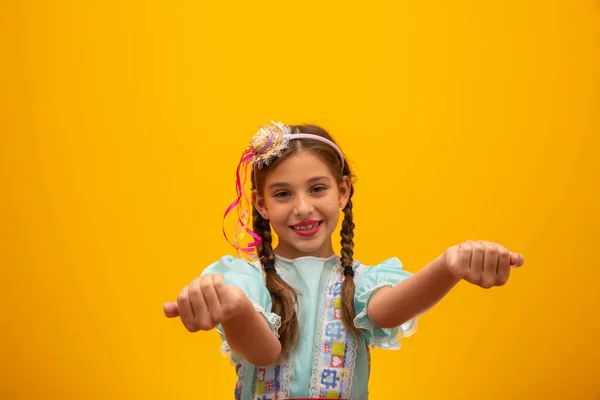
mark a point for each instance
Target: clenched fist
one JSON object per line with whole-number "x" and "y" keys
{"x": 482, "y": 263}
{"x": 207, "y": 302}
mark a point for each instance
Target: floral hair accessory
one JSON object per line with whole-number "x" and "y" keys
{"x": 268, "y": 143}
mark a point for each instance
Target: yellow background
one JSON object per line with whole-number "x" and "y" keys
{"x": 121, "y": 124}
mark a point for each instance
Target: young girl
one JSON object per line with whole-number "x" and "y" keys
{"x": 298, "y": 321}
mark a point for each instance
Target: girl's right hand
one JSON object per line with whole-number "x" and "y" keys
{"x": 206, "y": 302}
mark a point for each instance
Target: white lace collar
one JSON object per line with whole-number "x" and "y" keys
{"x": 291, "y": 261}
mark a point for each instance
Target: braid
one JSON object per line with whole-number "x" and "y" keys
{"x": 347, "y": 252}
{"x": 283, "y": 296}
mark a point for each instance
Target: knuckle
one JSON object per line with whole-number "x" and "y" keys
{"x": 205, "y": 284}
{"x": 190, "y": 326}
{"x": 461, "y": 273}
{"x": 205, "y": 324}
{"x": 195, "y": 281}
{"x": 236, "y": 293}
{"x": 488, "y": 279}
{"x": 470, "y": 279}
{"x": 474, "y": 278}
{"x": 183, "y": 296}
{"x": 486, "y": 284}
{"x": 227, "y": 308}
{"x": 463, "y": 266}
{"x": 492, "y": 248}
{"x": 217, "y": 316}
{"x": 218, "y": 282}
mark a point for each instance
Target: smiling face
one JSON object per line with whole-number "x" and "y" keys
{"x": 302, "y": 199}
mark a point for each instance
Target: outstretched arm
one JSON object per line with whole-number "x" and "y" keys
{"x": 481, "y": 263}
{"x": 208, "y": 301}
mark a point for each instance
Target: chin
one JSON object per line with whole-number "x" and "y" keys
{"x": 304, "y": 247}
{"x": 309, "y": 249}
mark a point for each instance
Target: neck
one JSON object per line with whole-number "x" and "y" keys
{"x": 291, "y": 253}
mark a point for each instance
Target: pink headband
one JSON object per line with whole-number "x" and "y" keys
{"x": 266, "y": 144}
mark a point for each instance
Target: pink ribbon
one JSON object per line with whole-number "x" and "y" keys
{"x": 266, "y": 146}
{"x": 243, "y": 204}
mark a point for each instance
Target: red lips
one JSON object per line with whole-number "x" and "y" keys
{"x": 307, "y": 232}
{"x": 304, "y": 223}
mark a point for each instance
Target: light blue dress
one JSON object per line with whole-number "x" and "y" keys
{"x": 327, "y": 362}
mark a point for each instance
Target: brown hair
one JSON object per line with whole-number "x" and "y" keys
{"x": 283, "y": 296}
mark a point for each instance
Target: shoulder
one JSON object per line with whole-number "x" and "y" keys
{"x": 246, "y": 275}
{"x": 392, "y": 264}
{"x": 389, "y": 272}
{"x": 230, "y": 265}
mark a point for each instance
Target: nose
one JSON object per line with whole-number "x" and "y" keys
{"x": 303, "y": 205}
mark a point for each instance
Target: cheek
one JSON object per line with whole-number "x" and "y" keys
{"x": 333, "y": 214}
{"x": 335, "y": 199}
{"x": 335, "y": 218}
{"x": 333, "y": 205}
{"x": 278, "y": 214}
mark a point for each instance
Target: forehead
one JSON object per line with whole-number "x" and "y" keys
{"x": 299, "y": 168}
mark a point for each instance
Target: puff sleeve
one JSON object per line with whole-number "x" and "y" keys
{"x": 249, "y": 278}
{"x": 387, "y": 274}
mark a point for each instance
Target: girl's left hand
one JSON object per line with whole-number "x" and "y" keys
{"x": 481, "y": 263}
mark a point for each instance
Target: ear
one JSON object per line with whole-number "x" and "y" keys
{"x": 344, "y": 191}
{"x": 259, "y": 204}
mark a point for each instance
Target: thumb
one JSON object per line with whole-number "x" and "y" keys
{"x": 170, "y": 309}
{"x": 516, "y": 260}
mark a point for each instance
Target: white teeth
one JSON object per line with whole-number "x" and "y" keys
{"x": 306, "y": 227}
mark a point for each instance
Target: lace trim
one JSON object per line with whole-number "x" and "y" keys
{"x": 317, "y": 357}
{"x": 351, "y": 344}
{"x": 286, "y": 362}
{"x": 273, "y": 319}
{"x": 291, "y": 260}
{"x": 364, "y": 298}
{"x": 240, "y": 371}
{"x": 391, "y": 339}
{"x": 285, "y": 387}
{"x": 260, "y": 374}
{"x": 262, "y": 161}
{"x": 274, "y": 322}
{"x": 226, "y": 351}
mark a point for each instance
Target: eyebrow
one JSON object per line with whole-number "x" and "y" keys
{"x": 310, "y": 181}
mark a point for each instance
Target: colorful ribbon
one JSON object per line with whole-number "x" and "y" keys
{"x": 243, "y": 205}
